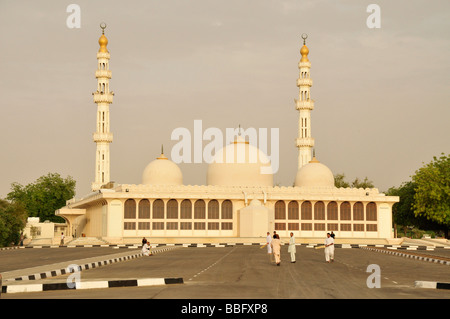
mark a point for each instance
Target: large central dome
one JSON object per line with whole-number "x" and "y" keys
{"x": 240, "y": 164}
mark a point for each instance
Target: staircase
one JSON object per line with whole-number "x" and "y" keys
{"x": 86, "y": 241}
{"x": 39, "y": 242}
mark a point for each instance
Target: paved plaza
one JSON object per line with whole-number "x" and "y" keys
{"x": 236, "y": 272}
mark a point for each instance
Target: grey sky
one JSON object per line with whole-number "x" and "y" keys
{"x": 381, "y": 95}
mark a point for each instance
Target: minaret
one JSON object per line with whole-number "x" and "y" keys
{"x": 304, "y": 105}
{"x": 103, "y": 97}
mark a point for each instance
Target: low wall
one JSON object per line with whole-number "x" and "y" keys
{"x": 211, "y": 240}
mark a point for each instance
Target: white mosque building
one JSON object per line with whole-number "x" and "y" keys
{"x": 238, "y": 202}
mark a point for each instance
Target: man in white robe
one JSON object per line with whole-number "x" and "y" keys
{"x": 269, "y": 240}
{"x": 291, "y": 248}
{"x": 269, "y": 247}
{"x": 146, "y": 249}
{"x": 276, "y": 247}
{"x": 329, "y": 248}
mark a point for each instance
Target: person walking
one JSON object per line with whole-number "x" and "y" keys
{"x": 276, "y": 247}
{"x": 269, "y": 246}
{"x": 62, "y": 240}
{"x": 291, "y": 248}
{"x": 21, "y": 238}
{"x": 329, "y": 248}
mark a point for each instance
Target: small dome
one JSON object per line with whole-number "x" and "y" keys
{"x": 255, "y": 202}
{"x": 248, "y": 167}
{"x": 314, "y": 174}
{"x": 162, "y": 171}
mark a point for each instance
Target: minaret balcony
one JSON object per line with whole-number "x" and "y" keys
{"x": 304, "y": 64}
{"x": 305, "y": 142}
{"x": 102, "y": 137}
{"x": 304, "y": 105}
{"x": 103, "y": 97}
{"x": 304, "y": 82}
{"x": 103, "y": 55}
{"x": 103, "y": 74}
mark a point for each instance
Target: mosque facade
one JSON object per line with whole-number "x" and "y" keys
{"x": 238, "y": 202}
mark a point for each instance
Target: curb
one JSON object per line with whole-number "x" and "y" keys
{"x": 432, "y": 259}
{"x": 145, "y": 282}
{"x": 308, "y": 245}
{"x": 432, "y": 285}
{"x": 91, "y": 265}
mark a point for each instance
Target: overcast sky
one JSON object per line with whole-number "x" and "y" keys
{"x": 381, "y": 95}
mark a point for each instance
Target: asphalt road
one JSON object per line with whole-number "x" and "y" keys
{"x": 14, "y": 259}
{"x": 245, "y": 272}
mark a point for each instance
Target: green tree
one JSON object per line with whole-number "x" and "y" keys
{"x": 47, "y": 194}
{"x": 339, "y": 181}
{"x": 432, "y": 197}
{"x": 366, "y": 183}
{"x": 403, "y": 212}
{"x": 13, "y": 218}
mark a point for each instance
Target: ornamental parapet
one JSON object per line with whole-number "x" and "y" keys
{"x": 103, "y": 55}
{"x": 103, "y": 97}
{"x": 304, "y": 105}
{"x": 103, "y": 74}
{"x": 305, "y": 142}
{"x": 304, "y": 82}
{"x": 102, "y": 137}
{"x": 306, "y": 64}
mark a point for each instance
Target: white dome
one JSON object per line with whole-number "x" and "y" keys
{"x": 162, "y": 171}
{"x": 248, "y": 167}
{"x": 314, "y": 174}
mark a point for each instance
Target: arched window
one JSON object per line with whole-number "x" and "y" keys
{"x": 186, "y": 209}
{"x": 293, "y": 210}
{"x": 213, "y": 209}
{"x": 144, "y": 209}
{"x": 332, "y": 211}
{"x": 144, "y": 213}
{"x": 319, "y": 211}
{"x": 358, "y": 211}
{"x": 130, "y": 209}
{"x": 371, "y": 212}
{"x": 200, "y": 209}
{"x": 346, "y": 211}
{"x": 227, "y": 209}
{"x": 172, "y": 209}
{"x": 158, "y": 209}
{"x": 280, "y": 210}
{"x": 306, "y": 210}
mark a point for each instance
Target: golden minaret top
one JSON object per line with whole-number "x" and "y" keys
{"x": 304, "y": 51}
{"x": 103, "y": 41}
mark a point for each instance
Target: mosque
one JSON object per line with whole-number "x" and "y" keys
{"x": 238, "y": 203}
